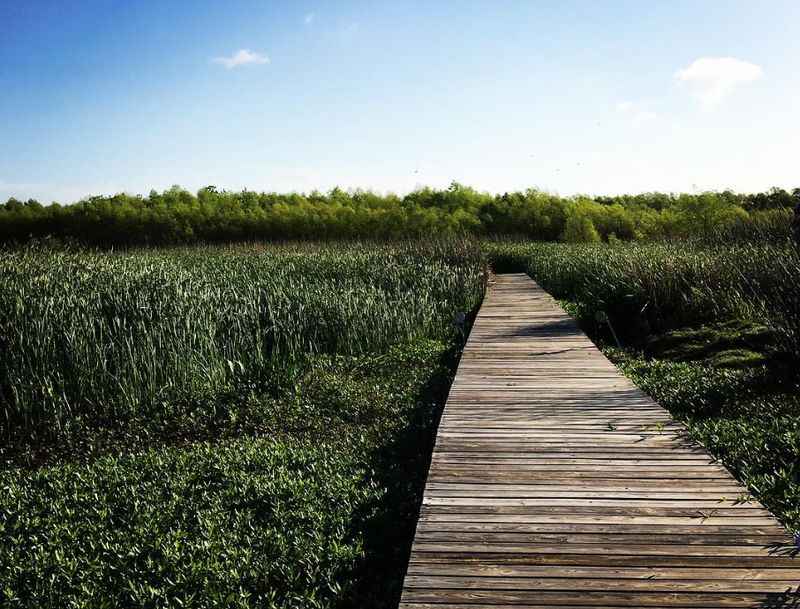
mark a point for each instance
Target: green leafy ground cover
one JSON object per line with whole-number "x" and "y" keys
{"x": 709, "y": 330}
{"x": 277, "y": 458}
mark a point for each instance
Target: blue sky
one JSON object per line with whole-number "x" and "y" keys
{"x": 572, "y": 97}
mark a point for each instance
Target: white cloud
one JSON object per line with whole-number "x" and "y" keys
{"x": 638, "y": 115}
{"x": 309, "y": 18}
{"x": 241, "y": 57}
{"x": 642, "y": 117}
{"x": 714, "y": 78}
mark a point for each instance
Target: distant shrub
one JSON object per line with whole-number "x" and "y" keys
{"x": 176, "y": 216}
{"x": 580, "y": 230}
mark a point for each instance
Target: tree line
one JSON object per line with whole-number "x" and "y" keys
{"x": 177, "y": 216}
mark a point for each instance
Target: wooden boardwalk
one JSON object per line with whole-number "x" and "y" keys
{"x": 556, "y": 483}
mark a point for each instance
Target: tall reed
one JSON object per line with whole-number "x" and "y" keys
{"x": 113, "y": 335}
{"x": 647, "y": 287}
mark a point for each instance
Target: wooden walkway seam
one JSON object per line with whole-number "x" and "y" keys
{"x": 556, "y": 483}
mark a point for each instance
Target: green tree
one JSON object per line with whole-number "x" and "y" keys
{"x": 580, "y": 229}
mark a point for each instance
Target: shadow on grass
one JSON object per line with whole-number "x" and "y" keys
{"x": 401, "y": 467}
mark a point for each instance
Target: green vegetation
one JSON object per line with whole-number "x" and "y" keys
{"x": 238, "y": 427}
{"x": 179, "y": 217}
{"x": 710, "y": 331}
{"x": 250, "y": 425}
{"x": 731, "y": 344}
{"x": 651, "y": 288}
{"x": 144, "y": 339}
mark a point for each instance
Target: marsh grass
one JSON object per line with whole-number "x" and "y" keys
{"x": 241, "y": 426}
{"x": 650, "y": 288}
{"x": 313, "y": 506}
{"x": 102, "y": 339}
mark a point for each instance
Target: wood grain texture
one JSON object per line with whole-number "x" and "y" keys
{"x": 556, "y": 483}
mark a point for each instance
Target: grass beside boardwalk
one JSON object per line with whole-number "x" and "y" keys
{"x": 710, "y": 331}
{"x": 108, "y": 349}
{"x": 278, "y": 460}
{"x": 746, "y": 417}
{"x": 319, "y": 515}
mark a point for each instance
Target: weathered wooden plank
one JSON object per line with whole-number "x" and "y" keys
{"x": 445, "y": 582}
{"x": 618, "y": 528}
{"x": 625, "y": 538}
{"x": 525, "y": 599}
{"x": 616, "y": 560}
{"x": 604, "y": 549}
{"x": 555, "y": 482}
{"x": 608, "y": 516}
{"x": 466, "y": 568}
